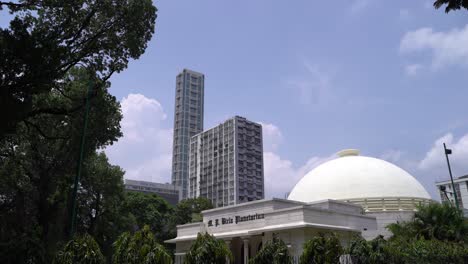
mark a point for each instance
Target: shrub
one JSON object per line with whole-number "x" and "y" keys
{"x": 322, "y": 249}
{"x": 140, "y": 248}
{"x": 273, "y": 252}
{"x": 81, "y": 249}
{"x": 208, "y": 249}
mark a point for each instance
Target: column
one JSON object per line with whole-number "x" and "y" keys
{"x": 246, "y": 250}
{"x": 228, "y": 244}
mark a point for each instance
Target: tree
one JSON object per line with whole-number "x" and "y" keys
{"x": 46, "y": 39}
{"x": 37, "y": 166}
{"x": 451, "y": 4}
{"x": 422, "y": 251}
{"x": 188, "y": 210}
{"x": 407, "y": 251}
{"x": 436, "y": 234}
{"x": 322, "y": 249}
{"x": 100, "y": 196}
{"x": 152, "y": 210}
{"x": 273, "y": 252}
{"x": 82, "y": 249}
{"x": 359, "y": 250}
{"x": 434, "y": 221}
{"x": 140, "y": 248}
{"x": 208, "y": 249}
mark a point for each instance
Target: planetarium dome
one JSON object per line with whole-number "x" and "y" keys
{"x": 375, "y": 184}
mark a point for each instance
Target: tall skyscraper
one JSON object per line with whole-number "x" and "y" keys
{"x": 188, "y": 121}
{"x": 226, "y": 163}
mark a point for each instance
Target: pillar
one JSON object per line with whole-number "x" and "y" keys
{"x": 246, "y": 250}
{"x": 228, "y": 244}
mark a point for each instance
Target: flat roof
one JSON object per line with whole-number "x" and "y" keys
{"x": 259, "y": 230}
{"x": 448, "y": 181}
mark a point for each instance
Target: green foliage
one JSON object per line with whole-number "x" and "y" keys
{"x": 82, "y": 249}
{"x": 360, "y": 250}
{"x": 322, "y": 249}
{"x": 142, "y": 247}
{"x": 434, "y": 221}
{"x": 437, "y": 234}
{"x": 46, "y": 39}
{"x": 273, "y": 252}
{"x": 451, "y": 4}
{"x": 100, "y": 196}
{"x": 423, "y": 251}
{"x": 188, "y": 210}
{"x": 152, "y": 210}
{"x": 402, "y": 251}
{"x": 38, "y": 164}
{"x": 208, "y": 249}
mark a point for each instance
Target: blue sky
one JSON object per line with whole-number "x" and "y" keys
{"x": 386, "y": 77}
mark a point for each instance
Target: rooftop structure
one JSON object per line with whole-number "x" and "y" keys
{"x": 168, "y": 192}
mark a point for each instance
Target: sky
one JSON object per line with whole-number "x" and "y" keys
{"x": 386, "y": 77}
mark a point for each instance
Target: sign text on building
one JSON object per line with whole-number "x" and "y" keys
{"x": 234, "y": 220}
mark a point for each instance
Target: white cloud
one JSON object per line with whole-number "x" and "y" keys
{"x": 433, "y": 166}
{"x": 447, "y": 48}
{"x": 145, "y": 149}
{"x": 281, "y": 174}
{"x": 272, "y": 137}
{"x": 413, "y": 69}
{"x": 435, "y": 160}
{"x": 391, "y": 155}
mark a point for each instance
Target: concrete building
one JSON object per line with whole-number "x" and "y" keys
{"x": 347, "y": 195}
{"x": 383, "y": 189}
{"x": 461, "y": 188}
{"x": 226, "y": 163}
{"x": 247, "y": 227}
{"x": 168, "y": 192}
{"x": 188, "y": 121}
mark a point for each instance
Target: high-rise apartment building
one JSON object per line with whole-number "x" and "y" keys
{"x": 188, "y": 121}
{"x": 226, "y": 163}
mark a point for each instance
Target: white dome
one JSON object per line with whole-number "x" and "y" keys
{"x": 356, "y": 177}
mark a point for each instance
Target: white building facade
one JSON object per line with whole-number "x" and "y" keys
{"x": 447, "y": 193}
{"x": 226, "y": 163}
{"x": 383, "y": 189}
{"x": 246, "y": 227}
{"x": 349, "y": 195}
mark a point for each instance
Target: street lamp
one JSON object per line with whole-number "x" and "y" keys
{"x": 447, "y": 152}
{"x": 80, "y": 160}
{"x": 444, "y": 190}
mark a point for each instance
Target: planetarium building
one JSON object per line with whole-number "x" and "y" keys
{"x": 349, "y": 195}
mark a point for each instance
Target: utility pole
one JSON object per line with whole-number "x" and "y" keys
{"x": 447, "y": 152}
{"x": 80, "y": 160}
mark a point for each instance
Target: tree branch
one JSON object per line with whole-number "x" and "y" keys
{"x": 38, "y": 129}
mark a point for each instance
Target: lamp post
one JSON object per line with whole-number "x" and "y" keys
{"x": 444, "y": 190}
{"x": 80, "y": 161}
{"x": 447, "y": 152}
